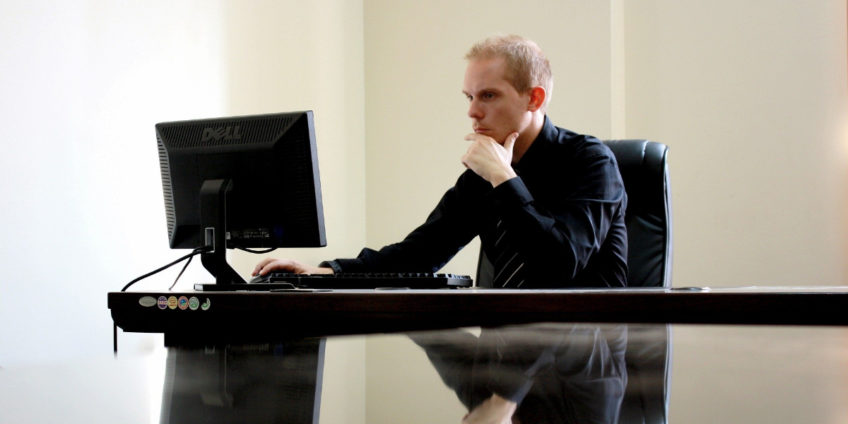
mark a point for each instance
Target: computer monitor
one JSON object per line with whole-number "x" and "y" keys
{"x": 241, "y": 182}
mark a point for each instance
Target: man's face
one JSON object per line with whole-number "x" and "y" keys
{"x": 496, "y": 109}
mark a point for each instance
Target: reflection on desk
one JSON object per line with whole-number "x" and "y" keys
{"x": 546, "y": 373}
{"x": 721, "y": 374}
{"x": 263, "y": 383}
{"x": 535, "y": 374}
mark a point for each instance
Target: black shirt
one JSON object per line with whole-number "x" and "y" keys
{"x": 564, "y": 213}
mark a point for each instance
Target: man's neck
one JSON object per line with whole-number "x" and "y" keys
{"x": 528, "y": 136}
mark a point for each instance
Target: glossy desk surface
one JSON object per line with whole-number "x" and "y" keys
{"x": 556, "y": 372}
{"x": 752, "y": 355}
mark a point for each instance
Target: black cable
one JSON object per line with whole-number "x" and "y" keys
{"x": 258, "y": 252}
{"x": 190, "y": 255}
{"x": 181, "y": 273}
{"x": 193, "y": 253}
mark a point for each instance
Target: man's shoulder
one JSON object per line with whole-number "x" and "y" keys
{"x": 577, "y": 144}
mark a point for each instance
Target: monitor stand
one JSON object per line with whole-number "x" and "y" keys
{"x": 213, "y": 224}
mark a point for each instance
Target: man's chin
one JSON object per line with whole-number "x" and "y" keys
{"x": 491, "y": 134}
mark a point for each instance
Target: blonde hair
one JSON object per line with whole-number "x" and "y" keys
{"x": 526, "y": 64}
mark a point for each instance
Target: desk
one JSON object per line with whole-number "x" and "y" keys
{"x": 288, "y": 314}
{"x": 579, "y": 354}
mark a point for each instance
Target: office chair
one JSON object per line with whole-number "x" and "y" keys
{"x": 644, "y": 170}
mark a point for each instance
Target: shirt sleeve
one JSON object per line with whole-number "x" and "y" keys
{"x": 448, "y": 228}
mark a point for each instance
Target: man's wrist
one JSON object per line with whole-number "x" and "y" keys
{"x": 502, "y": 177}
{"x": 333, "y": 265}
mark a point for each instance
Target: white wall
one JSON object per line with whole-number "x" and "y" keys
{"x": 83, "y": 84}
{"x": 751, "y": 97}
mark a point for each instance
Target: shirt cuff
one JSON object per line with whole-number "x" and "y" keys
{"x": 511, "y": 192}
{"x": 337, "y": 268}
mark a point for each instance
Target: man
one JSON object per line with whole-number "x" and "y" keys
{"x": 547, "y": 203}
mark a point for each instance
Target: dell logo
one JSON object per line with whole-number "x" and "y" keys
{"x": 221, "y": 133}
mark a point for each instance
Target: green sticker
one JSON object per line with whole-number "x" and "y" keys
{"x": 147, "y": 301}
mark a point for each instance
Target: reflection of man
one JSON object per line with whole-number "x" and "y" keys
{"x": 553, "y": 373}
{"x": 548, "y": 204}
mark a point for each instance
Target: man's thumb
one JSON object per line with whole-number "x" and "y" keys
{"x": 510, "y": 141}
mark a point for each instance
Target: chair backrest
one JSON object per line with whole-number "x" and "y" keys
{"x": 643, "y": 168}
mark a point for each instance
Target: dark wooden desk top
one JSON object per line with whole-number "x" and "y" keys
{"x": 299, "y": 313}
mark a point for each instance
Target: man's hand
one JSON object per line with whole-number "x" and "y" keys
{"x": 494, "y": 410}
{"x": 268, "y": 264}
{"x": 489, "y": 159}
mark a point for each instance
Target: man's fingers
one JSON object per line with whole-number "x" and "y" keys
{"x": 267, "y": 265}
{"x": 257, "y": 270}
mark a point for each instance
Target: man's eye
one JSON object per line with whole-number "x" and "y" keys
{"x": 488, "y": 95}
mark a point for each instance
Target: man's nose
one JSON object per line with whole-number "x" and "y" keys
{"x": 474, "y": 110}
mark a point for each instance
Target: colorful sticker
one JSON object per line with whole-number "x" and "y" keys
{"x": 147, "y": 301}
{"x": 183, "y": 303}
{"x": 206, "y": 305}
{"x": 162, "y": 302}
{"x": 172, "y": 302}
{"x": 194, "y": 303}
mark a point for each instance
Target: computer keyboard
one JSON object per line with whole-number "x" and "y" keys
{"x": 350, "y": 280}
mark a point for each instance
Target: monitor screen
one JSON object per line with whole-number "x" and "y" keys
{"x": 245, "y": 181}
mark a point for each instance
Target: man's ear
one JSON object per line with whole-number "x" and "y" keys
{"x": 537, "y": 98}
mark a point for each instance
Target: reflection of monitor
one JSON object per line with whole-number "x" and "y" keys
{"x": 241, "y": 182}
{"x": 256, "y": 383}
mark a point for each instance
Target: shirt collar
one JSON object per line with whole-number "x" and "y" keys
{"x": 537, "y": 148}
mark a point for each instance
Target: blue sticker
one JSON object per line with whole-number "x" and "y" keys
{"x": 183, "y": 303}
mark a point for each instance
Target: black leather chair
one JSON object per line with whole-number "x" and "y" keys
{"x": 644, "y": 170}
{"x": 648, "y": 219}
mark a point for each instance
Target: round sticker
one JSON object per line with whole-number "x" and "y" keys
{"x": 194, "y": 303}
{"x": 183, "y": 303}
{"x": 162, "y": 302}
{"x": 147, "y": 301}
{"x": 172, "y": 302}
